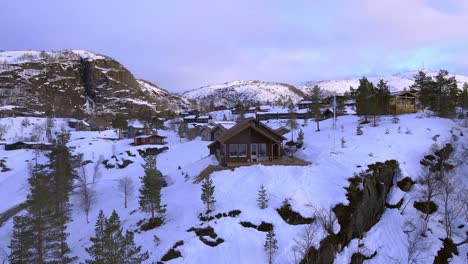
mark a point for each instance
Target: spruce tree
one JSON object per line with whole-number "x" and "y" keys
{"x": 96, "y": 251}
{"x": 150, "y": 191}
{"x": 61, "y": 174}
{"x": 270, "y": 246}
{"x": 111, "y": 246}
{"x": 21, "y": 241}
{"x": 207, "y": 195}
{"x": 120, "y": 123}
{"x": 262, "y": 199}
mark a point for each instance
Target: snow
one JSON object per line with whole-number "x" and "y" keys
{"x": 320, "y": 184}
{"x": 250, "y": 90}
{"x": 22, "y": 56}
{"x": 396, "y": 82}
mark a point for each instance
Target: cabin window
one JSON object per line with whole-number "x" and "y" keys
{"x": 233, "y": 150}
{"x": 262, "y": 150}
{"x": 242, "y": 150}
{"x": 237, "y": 150}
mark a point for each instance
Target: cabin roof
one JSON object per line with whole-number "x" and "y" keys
{"x": 252, "y": 123}
{"x": 150, "y": 136}
{"x": 401, "y": 93}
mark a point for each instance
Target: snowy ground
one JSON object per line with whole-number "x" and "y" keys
{"x": 320, "y": 184}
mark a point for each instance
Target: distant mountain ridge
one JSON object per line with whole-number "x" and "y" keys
{"x": 245, "y": 91}
{"x": 76, "y": 83}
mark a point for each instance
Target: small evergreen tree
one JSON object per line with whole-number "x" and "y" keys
{"x": 464, "y": 97}
{"x": 207, "y": 195}
{"x": 98, "y": 248}
{"x": 262, "y": 199}
{"x": 359, "y": 130}
{"x": 343, "y": 142}
{"x": 270, "y": 246}
{"x": 150, "y": 191}
{"x": 300, "y": 139}
{"x": 364, "y": 98}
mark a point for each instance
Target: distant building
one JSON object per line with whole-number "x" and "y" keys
{"x": 82, "y": 125}
{"x": 149, "y": 140}
{"x": 247, "y": 141}
{"x": 197, "y": 119}
{"x": 213, "y": 131}
{"x": 135, "y": 128}
{"x": 305, "y": 104}
{"x": 403, "y": 102}
{"x": 29, "y": 145}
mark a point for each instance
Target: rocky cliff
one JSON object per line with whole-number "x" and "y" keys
{"x": 78, "y": 83}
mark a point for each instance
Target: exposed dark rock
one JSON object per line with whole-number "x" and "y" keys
{"x": 263, "y": 227}
{"x": 151, "y": 224}
{"x": 205, "y": 233}
{"x": 426, "y": 207}
{"x": 367, "y": 195}
{"x": 292, "y": 217}
{"x": 173, "y": 252}
{"x": 405, "y": 184}
{"x": 446, "y": 252}
{"x": 151, "y": 151}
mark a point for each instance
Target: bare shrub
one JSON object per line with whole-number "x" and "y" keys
{"x": 127, "y": 188}
{"x": 84, "y": 190}
{"x": 326, "y": 218}
{"x": 304, "y": 242}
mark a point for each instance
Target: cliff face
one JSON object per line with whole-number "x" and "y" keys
{"x": 367, "y": 195}
{"x": 77, "y": 83}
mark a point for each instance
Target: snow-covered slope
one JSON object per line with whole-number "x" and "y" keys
{"x": 245, "y": 91}
{"x": 396, "y": 82}
{"x": 321, "y": 184}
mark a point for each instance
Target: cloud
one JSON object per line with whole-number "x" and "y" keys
{"x": 182, "y": 45}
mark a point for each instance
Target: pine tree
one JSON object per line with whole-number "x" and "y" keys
{"x": 464, "y": 97}
{"x": 120, "y": 123}
{"x": 150, "y": 191}
{"x": 111, "y": 246}
{"x": 292, "y": 122}
{"x": 364, "y": 98}
{"x": 446, "y": 91}
{"x": 262, "y": 199}
{"x": 315, "y": 107}
{"x": 207, "y": 195}
{"x": 270, "y": 246}
{"x": 382, "y": 98}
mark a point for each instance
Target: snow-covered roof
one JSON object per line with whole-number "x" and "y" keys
{"x": 83, "y": 122}
{"x": 252, "y": 108}
{"x": 136, "y": 124}
{"x": 305, "y": 102}
{"x": 203, "y": 117}
{"x": 148, "y": 136}
{"x": 190, "y": 117}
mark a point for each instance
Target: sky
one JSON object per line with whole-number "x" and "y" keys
{"x": 182, "y": 45}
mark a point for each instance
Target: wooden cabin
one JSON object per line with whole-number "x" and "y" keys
{"x": 282, "y": 130}
{"x": 403, "y": 102}
{"x": 149, "y": 140}
{"x": 29, "y": 145}
{"x": 214, "y": 131}
{"x": 248, "y": 141}
{"x": 305, "y": 104}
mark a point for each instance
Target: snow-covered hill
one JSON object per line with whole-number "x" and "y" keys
{"x": 396, "y": 82}
{"x": 321, "y": 184}
{"x": 245, "y": 91}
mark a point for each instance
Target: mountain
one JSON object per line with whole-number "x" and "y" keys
{"x": 76, "y": 83}
{"x": 396, "y": 82}
{"x": 245, "y": 91}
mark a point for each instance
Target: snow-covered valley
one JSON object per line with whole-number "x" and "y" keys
{"x": 321, "y": 184}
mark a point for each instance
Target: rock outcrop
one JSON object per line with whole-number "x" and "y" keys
{"x": 77, "y": 84}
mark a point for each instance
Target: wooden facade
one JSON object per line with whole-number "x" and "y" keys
{"x": 149, "y": 140}
{"x": 403, "y": 103}
{"x": 248, "y": 141}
